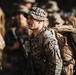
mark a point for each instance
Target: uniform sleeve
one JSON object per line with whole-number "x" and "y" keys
{"x": 53, "y": 54}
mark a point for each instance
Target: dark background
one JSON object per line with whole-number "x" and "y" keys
{"x": 7, "y": 5}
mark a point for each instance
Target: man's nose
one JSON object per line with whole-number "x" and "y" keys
{"x": 28, "y": 20}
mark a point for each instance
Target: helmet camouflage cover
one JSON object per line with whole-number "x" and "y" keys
{"x": 38, "y": 13}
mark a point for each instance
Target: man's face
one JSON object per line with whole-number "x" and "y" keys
{"x": 32, "y": 23}
{"x": 21, "y": 20}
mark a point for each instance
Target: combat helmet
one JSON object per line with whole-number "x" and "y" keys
{"x": 21, "y": 9}
{"x": 57, "y": 18}
{"x": 52, "y": 6}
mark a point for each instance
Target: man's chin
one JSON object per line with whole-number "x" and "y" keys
{"x": 31, "y": 28}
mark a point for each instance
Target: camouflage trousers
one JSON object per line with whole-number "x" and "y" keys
{"x": 68, "y": 70}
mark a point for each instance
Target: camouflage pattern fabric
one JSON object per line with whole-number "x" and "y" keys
{"x": 46, "y": 54}
{"x": 38, "y": 13}
{"x": 66, "y": 48}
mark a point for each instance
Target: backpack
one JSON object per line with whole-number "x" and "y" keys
{"x": 67, "y": 37}
{"x": 63, "y": 45}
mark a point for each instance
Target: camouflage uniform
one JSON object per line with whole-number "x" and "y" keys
{"x": 45, "y": 51}
{"x": 46, "y": 56}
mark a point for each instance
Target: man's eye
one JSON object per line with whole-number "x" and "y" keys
{"x": 31, "y": 18}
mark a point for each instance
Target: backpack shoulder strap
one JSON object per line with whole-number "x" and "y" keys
{"x": 41, "y": 37}
{"x": 53, "y": 32}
